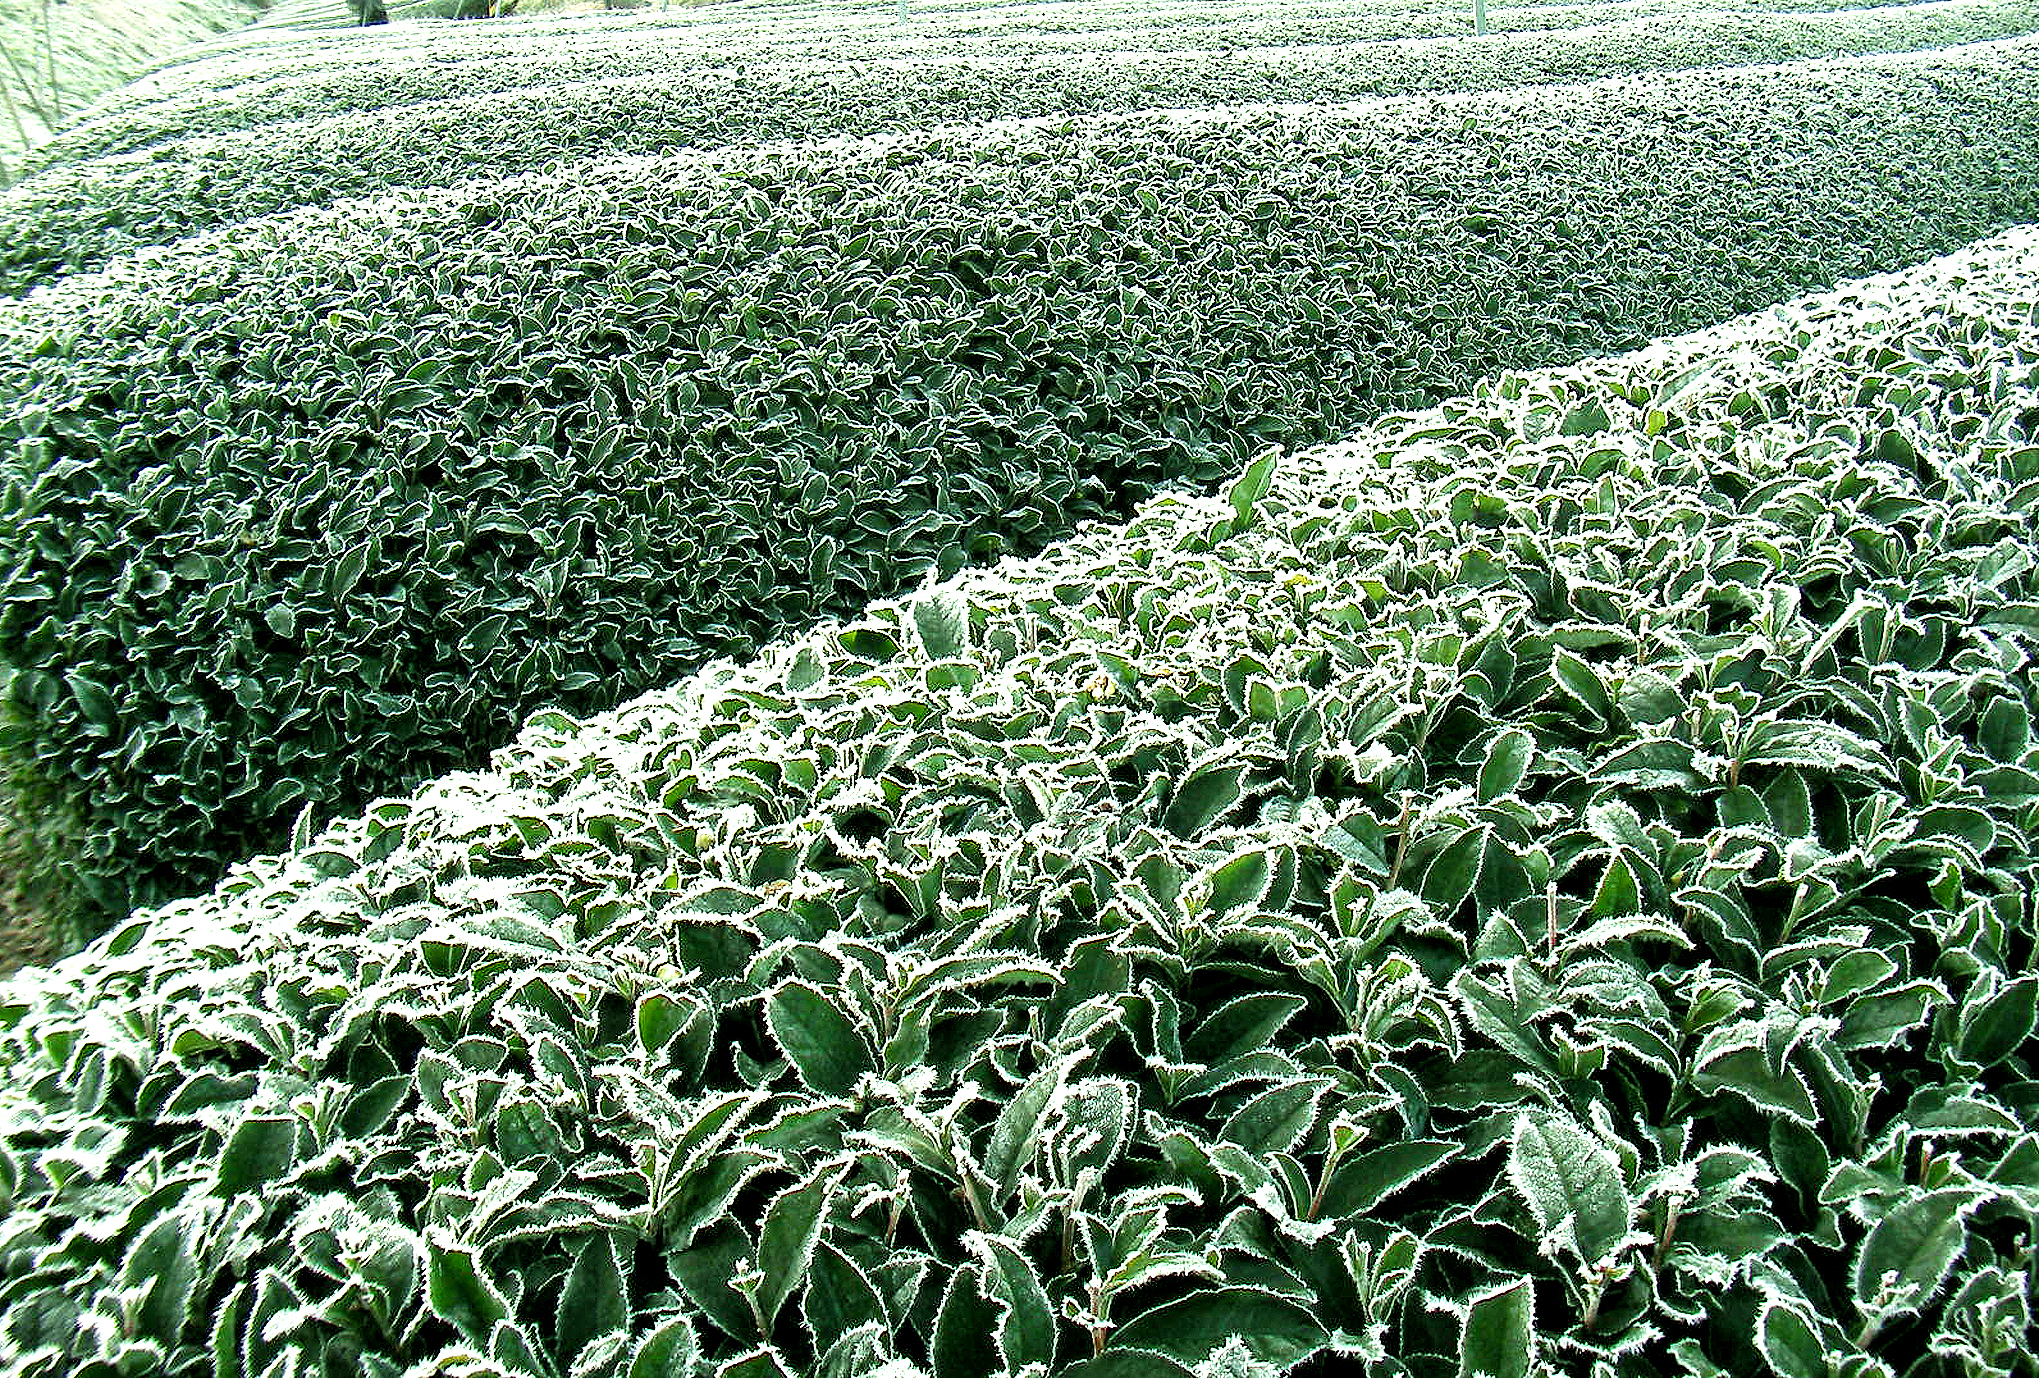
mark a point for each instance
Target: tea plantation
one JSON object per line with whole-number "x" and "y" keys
{"x": 82, "y": 214}
{"x": 311, "y": 507}
{"x": 1227, "y": 788}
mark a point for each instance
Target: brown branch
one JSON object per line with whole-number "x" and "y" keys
{"x": 27, "y": 84}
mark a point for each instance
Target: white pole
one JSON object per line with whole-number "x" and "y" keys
{"x": 1479, "y": 15}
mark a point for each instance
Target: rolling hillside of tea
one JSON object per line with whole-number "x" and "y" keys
{"x": 1033, "y": 688}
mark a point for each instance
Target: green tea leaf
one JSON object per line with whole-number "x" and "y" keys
{"x": 1205, "y": 796}
{"x": 1572, "y": 1185}
{"x": 942, "y": 618}
{"x": 1500, "y": 1333}
{"x": 1190, "y": 1328}
{"x": 839, "y": 1296}
{"x": 1246, "y": 491}
{"x": 1906, "y": 1257}
{"x": 822, "y": 1043}
{"x": 95, "y": 702}
{"x": 670, "y": 1351}
{"x": 1507, "y": 764}
{"x": 1994, "y": 1028}
{"x": 1790, "y": 1344}
{"x": 1275, "y": 1119}
{"x": 786, "y": 1241}
{"x": 261, "y": 1149}
{"x": 1018, "y": 1128}
{"x": 461, "y": 1294}
{"x": 1027, "y": 1330}
{"x": 595, "y": 1300}
{"x": 963, "y": 1327}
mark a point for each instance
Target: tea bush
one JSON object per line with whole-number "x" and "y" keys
{"x": 1541, "y": 888}
{"x": 81, "y": 215}
{"x": 310, "y": 79}
{"x": 327, "y": 503}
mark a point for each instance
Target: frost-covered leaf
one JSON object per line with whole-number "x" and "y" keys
{"x": 1500, "y": 1333}
{"x": 1572, "y": 1185}
{"x": 823, "y": 1044}
{"x": 1906, "y": 1256}
{"x": 1192, "y": 1328}
{"x": 786, "y": 1239}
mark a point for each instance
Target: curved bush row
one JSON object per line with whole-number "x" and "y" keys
{"x": 299, "y": 512}
{"x": 751, "y": 27}
{"x": 804, "y": 20}
{"x": 247, "y": 52}
{"x": 1539, "y": 890}
{"x": 81, "y": 216}
{"x": 729, "y": 34}
{"x": 574, "y": 48}
{"x": 328, "y": 80}
{"x": 424, "y": 66}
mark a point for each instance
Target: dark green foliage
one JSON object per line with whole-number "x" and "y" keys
{"x": 299, "y": 516}
{"x": 1541, "y": 889}
{"x": 81, "y": 215}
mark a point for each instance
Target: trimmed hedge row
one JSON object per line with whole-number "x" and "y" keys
{"x": 407, "y": 68}
{"x": 746, "y": 35}
{"x": 753, "y": 29}
{"x": 307, "y": 510}
{"x": 89, "y": 212}
{"x": 82, "y": 215}
{"x": 393, "y": 65}
{"x": 1542, "y": 889}
{"x": 249, "y": 51}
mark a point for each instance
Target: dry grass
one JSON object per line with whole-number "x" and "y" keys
{"x": 58, "y": 56}
{"x": 30, "y": 934}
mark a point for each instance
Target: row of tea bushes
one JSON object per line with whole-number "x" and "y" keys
{"x": 81, "y": 215}
{"x": 423, "y": 62}
{"x": 757, "y": 32}
{"x": 1542, "y": 888}
{"x": 303, "y": 511}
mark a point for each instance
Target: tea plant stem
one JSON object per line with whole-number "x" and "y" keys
{"x": 1663, "y": 1244}
{"x": 977, "y": 1211}
{"x": 1401, "y": 844}
{"x": 1595, "y": 1295}
{"x": 1317, "y": 1196}
{"x": 1100, "y": 1328}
